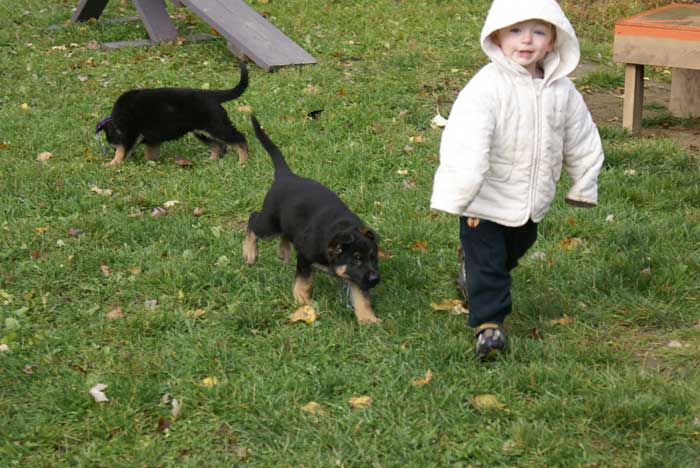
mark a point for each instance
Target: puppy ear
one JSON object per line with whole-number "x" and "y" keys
{"x": 368, "y": 233}
{"x": 335, "y": 246}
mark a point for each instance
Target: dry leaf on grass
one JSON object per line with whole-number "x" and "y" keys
{"x": 486, "y": 402}
{"x": 97, "y": 393}
{"x": 438, "y": 121}
{"x": 419, "y": 245}
{"x": 4, "y": 348}
{"x": 105, "y": 269}
{"x": 570, "y": 243}
{"x": 198, "y": 211}
{"x": 115, "y": 313}
{"x": 360, "y": 402}
{"x": 44, "y": 156}
{"x": 99, "y": 191}
{"x": 314, "y": 408}
{"x": 455, "y": 306}
{"x": 565, "y": 320}
{"x": 423, "y": 380}
{"x": 196, "y": 313}
{"x": 210, "y": 381}
{"x": 305, "y": 314}
{"x": 170, "y": 203}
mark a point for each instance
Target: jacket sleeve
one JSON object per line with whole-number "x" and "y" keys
{"x": 583, "y": 153}
{"x": 464, "y": 149}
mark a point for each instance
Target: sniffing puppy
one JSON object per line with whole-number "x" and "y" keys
{"x": 323, "y": 230}
{"x": 152, "y": 116}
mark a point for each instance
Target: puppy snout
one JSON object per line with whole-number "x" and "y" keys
{"x": 372, "y": 278}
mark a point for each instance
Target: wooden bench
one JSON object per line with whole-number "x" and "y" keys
{"x": 248, "y": 34}
{"x": 668, "y": 36}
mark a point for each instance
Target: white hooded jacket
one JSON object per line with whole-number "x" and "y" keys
{"x": 508, "y": 135}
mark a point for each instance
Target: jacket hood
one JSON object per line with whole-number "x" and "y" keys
{"x": 565, "y": 57}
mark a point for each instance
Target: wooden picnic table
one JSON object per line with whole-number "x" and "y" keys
{"x": 248, "y": 34}
{"x": 670, "y": 37}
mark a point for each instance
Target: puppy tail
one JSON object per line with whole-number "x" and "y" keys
{"x": 233, "y": 93}
{"x": 274, "y": 152}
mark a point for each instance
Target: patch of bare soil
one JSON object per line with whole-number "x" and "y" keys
{"x": 606, "y": 108}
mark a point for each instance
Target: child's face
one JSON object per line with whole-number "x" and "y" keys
{"x": 526, "y": 43}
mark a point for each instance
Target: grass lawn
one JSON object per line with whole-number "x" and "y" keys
{"x": 605, "y": 334}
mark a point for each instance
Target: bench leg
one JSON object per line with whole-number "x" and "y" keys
{"x": 89, "y": 9}
{"x": 685, "y": 93}
{"x": 634, "y": 97}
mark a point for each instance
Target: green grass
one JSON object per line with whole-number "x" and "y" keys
{"x": 604, "y": 390}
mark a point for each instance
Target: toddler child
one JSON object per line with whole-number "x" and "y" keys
{"x": 513, "y": 127}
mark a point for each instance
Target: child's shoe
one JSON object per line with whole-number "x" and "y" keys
{"x": 490, "y": 341}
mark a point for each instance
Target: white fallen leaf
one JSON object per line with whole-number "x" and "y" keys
{"x": 538, "y": 255}
{"x": 631, "y": 172}
{"x": 170, "y": 203}
{"x": 438, "y": 121}
{"x": 97, "y": 393}
{"x": 4, "y": 348}
{"x": 176, "y": 405}
{"x": 610, "y": 218}
{"x": 676, "y": 344}
{"x": 43, "y": 156}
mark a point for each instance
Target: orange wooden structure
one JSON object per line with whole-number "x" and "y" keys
{"x": 668, "y": 36}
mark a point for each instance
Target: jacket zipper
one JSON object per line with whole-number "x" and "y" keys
{"x": 536, "y": 155}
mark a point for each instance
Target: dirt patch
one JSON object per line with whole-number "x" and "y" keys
{"x": 606, "y": 108}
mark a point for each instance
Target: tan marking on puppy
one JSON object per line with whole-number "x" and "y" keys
{"x": 341, "y": 272}
{"x": 119, "y": 156}
{"x": 302, "y": 289}
{"x": 152, "y": 152}
{"x": 242, "y": 150}
{"x": 250, "y": 248}
{"x": 361, "y": 304}
{"x": 215, "y": 150}
{"x": 284, "y": 250}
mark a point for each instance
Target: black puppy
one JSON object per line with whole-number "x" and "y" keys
{"x": 152, "y": 116}
{"x": 323, "y": 230}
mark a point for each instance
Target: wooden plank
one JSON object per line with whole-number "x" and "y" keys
{"x": 657, "y": 51}
{"x": 685, "y": 93}
{"x": 88, "y": 9}
{"x": 249, "y": 33}
{"x": 156, "y": 20}
{"x": 634, "y": 98}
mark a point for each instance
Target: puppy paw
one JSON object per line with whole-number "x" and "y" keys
{"x": 369, "y": 321}
{"x": 249, "y": 257}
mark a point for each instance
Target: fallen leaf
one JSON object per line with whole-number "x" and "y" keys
{"x": 134, "y": 271}
{"x": 183, "y": 162}
{"x": 196, "y": 313}
{"x": 314, "y": 408}
{"x": 245, "y": 108}
{"x": 4, "y": 146}
{"x": 676, "y": 344}
{"x": 305, "y": 314}
{"x": 538, "y": 255}
{"x": 360, "y": 402}
{"x": 402, "y": 172}
{"x": 97, "y": 393}
{"x": 106, "y": 270}
{"x": 455, "y": 306}
{"x": 565, "y": 320}
{"x": 486, "y": 402}
{"x": 170, "y": 203}
{"x": 610, "y": 218}
{"x": 4, "y": 348}
{"x": 41, "y": 230}
{"x": 163, "y": 424}
{"x": 176, "y": 406}
{"x": 82, "y": 78}
{"x": 534, "y": 333}
{"x": 99, "y": 191}
{"x": 157, "y": 212}
{"x": 417, "y": 139}
{"x": 198, "y": 211}
{"x": 151, "y": 304}
{"x": 210, "y": 381}
{"x": 419, "y": 245}
{"x": 74, "y": 232}
{"x": 423, "y": 380}
{"x": 44, "y": 156}
{"x": 24, "y": 106}
{"x": 570, "y": 243}
{"x": 438, "y": 121}
{"x": 29, "y": 368}
{"x": 311, "y": 89}
{"x": 115, "y": 313}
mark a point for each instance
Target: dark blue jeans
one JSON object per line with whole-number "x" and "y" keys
{"x": 491, "y": 251}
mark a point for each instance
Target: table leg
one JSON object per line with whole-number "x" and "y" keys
{"x": 634, "y": 97}
{"x": 685, "y": 93}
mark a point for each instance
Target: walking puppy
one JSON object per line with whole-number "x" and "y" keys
{"x": 152, "y": 116}
{"x": 323, "y": 230}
